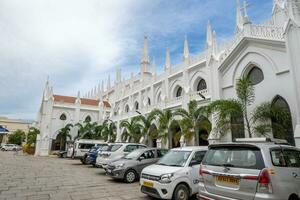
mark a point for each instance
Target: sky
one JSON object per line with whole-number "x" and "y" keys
{"x": 78, "y": 43}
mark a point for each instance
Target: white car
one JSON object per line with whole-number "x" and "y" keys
{"x": 115, "y": 152}
{"x": 10, "y": 147}
{"x": 175, "y": 176}
{"x": 82, "y": 146}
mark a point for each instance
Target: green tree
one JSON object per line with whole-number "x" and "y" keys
{"x": 146, "y": 122}
{"x": 16, "y": 137}
{"x": 31, "y": 135}
{"x": 133, "y": 128}
{"x": 192, "y": 120}
{"x": 108, "y": 131}
{"x": 165, "y": 119}
{"x": 64, "y": 134}
{"x": 257, "y": 121}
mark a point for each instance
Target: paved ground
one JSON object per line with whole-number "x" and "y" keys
{"x": 28, "y": 177}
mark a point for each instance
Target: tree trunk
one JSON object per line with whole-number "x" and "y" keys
{"x": 247, "y": 122}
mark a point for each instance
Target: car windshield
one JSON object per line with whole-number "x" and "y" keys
{"x": 175, "y": 158}
{"x": 114, "y": 147}
{"x": 103, "y": 148}
{"x": 134, "y": 154}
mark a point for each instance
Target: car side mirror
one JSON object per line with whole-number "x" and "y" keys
{"x": 194, "y": 162}
{"x": 141, "y": 158}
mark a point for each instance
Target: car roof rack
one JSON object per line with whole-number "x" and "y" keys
{"x": 261, "y": 140}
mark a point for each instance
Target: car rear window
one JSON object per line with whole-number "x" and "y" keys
{"x": 85, "y": 146}
{"x": 114, "y": 147}
{"x": 234, "y": 156}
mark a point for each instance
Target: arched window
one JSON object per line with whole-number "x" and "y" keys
{"x": 126, "y": 108}
{"x": 179, "y": 91}
{"x": 63, "y": 117}
{"x": 201, "y": 85}
{"x": 136, "y": 105}
{"x": 149, "y": 101}
{"x": 255, "y": 75}
{"x": 88, "y": 119}
{"x": 282, "y": 129}
{"x": 159, "y": 97}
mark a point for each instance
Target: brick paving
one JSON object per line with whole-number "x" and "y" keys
{"x": 28, "y": 177}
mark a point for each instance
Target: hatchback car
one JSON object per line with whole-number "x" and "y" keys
{"x": 115, "y": 152}
{"x": 129, "y": 168}
{"x": 174, "y": 176}
{"x": 255, "y": 169}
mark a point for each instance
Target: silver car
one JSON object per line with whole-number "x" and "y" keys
{"x": 130, "y": 167}
{"x": 256, "y": 169}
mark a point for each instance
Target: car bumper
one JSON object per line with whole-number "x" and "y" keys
{"x": 102, "y": 163}
{"x": 117, "y": 174}
{"x": 158, "y": 190}
{"x": 205, "y": 195}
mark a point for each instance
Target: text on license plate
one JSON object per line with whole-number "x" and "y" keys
{"x": 227, "y": 179}
{"x": 148, "y": 184}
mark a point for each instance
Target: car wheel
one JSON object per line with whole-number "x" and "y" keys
{"x": 130, "y": 176}
{"x": 181, "y": 193}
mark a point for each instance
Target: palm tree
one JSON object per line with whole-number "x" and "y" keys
{"x": 165, "y": 119}
{"x": 107, "y": 132}
{"x": 133, "y": 128}
{"x": 86, "y": 130}
{"x": 64, "y": 134}
{"x": 191, "y": 120}
{"x": 97, "y": 132}
{"x": 257, "y": 121}
{"x": 146, "y": 122}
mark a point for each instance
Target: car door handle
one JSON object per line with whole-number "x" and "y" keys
{"x": 295, "y": 175}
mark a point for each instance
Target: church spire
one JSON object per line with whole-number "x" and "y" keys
{"x": 78, "y": 97}
{"x": 239, "y": 17}
{"x": 108, "y": 82}
{"x": 145, "y": 56}
{"x": 215, "y": 44}
{"x": 168, "y": 60}
{"x": 209, "y": 35}
{"x": 186, "y": 52}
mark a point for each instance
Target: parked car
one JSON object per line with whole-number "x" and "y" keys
{"x": 129, "y": 168}
{"x": 10, "y": 147}
{"x": 115, "y": 152}
{"x": 256, "y": 168}
{"x": 91, "y": 155}
{"x": 83, "y": 146}
{"x": 174, "y": 176}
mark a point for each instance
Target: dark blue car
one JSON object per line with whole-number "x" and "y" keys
{"x": 91, "y": 156}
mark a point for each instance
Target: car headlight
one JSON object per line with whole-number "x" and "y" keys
{"x": 166, "y": 178}
{"x": 119, "y": 166}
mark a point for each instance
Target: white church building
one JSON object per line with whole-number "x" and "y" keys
{"x": 269, "y": 53}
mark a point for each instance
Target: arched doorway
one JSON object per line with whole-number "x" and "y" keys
{"x": 204, "y": 130}
{"x": 175, "y": 135}
{"x": 59, "y": 143}
{"x": 280, "y": 129}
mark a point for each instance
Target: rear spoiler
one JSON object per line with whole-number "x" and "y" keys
{"x": 261, "y": 140}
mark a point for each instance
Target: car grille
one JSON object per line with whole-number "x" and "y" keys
{"x": 150, "y": 177}
{"x": 150, "y": 191}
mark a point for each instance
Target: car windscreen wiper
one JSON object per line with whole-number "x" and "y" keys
{"x": 228, "y": 165}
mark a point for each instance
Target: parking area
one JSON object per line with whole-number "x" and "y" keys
{"x": 28, "y": 177}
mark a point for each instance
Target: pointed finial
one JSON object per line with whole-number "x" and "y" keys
{"x": 186, "y": 51}
{"x": 168, "y": 60}
{"x": 209, "y": 35}
{"x": 239, "y": 17}
{"x": 102, "y": 86}
{"x": 145, "y": 56}
{"x": 108, "y": 82}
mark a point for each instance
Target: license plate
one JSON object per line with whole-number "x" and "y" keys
{"x": 228, "y": 179}
{"x": 148, "y": 184}
{"x": 108, "y": 171}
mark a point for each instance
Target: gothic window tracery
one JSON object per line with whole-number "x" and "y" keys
{"x": 201, "y": 85}
{"x": 255, "y": 75}
{"x": 63, "y": 117}
{"x": 88, "y": 119}
{"x": 179, "y": 91}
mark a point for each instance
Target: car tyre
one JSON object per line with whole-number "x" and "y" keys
{"x": 181, "y": 192}
{"x": 130, "y": 176}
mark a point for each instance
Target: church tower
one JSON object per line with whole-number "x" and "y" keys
{"x": 145, "y": 63}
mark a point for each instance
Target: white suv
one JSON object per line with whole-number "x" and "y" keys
{"x": 115, "y": 152}
{"x": 10, "y": 147}
{"x": 174, "y": 176}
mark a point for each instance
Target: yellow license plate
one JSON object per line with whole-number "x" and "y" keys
{"x": 148, "y": 184}
{"x": 227, "y": 179}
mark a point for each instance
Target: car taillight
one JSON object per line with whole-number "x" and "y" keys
{"x": 264, "y": 182}
{"x": 203, "y": 171}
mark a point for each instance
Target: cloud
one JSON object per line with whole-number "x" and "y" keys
{"x": 78, "y": 43}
